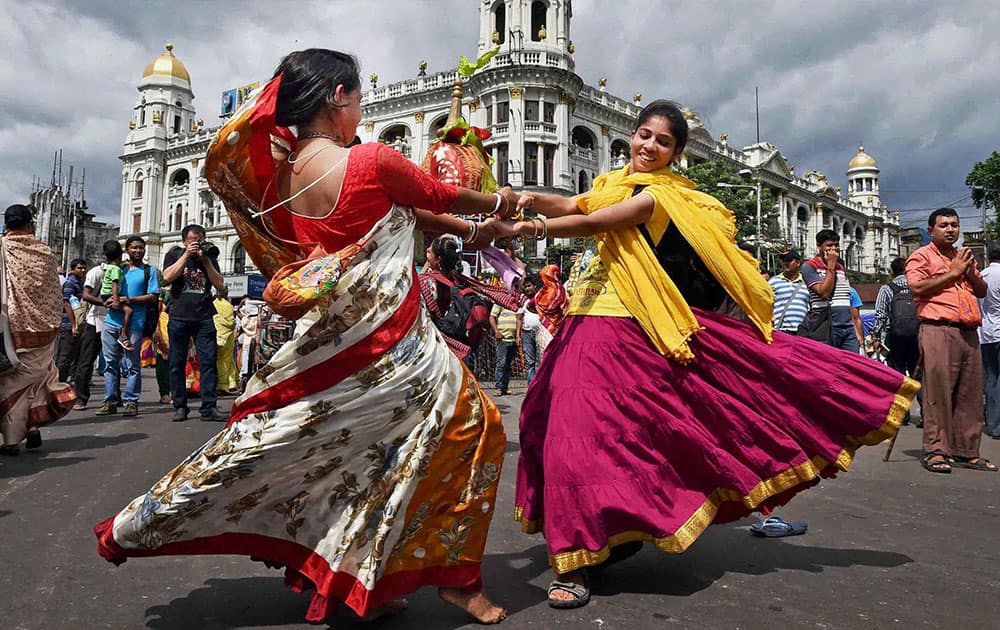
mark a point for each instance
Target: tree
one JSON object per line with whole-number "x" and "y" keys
{"x": 742, "y": 201}
{"x": 984, "y": 181}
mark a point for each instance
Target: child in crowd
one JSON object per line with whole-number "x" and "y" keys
{"x": 113, "y": 288}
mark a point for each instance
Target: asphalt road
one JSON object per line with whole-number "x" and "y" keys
{"x": 889, "y": 546}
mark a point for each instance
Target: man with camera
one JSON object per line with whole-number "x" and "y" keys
{"x": 192, "y": 271}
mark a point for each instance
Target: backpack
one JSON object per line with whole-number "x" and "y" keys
{"x": 152, "y": 310}
{"x": 468, "y": 314}
{"x": 903, "y": 320}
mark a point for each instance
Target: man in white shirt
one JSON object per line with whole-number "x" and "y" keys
{"x": 528, "y": 328}
{"x": 90, "y": 340}
{"x": 989, "y": 339}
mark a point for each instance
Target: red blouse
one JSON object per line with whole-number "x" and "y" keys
{"x": 376, "y": 177}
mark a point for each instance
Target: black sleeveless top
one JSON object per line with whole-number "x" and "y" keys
{"x": 696, "y": 283}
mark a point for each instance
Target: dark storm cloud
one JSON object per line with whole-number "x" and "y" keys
{"x": 915, "y": 81}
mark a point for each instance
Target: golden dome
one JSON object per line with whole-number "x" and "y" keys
{"x": 862, "y": 160}
{"x": 167, "y": 65}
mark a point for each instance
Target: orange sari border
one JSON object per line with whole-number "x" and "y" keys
{"x": 699, "y": 521}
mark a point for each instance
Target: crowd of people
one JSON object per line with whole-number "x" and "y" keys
{"x": 116, "y": 317}
{"x": 364, "y": 457}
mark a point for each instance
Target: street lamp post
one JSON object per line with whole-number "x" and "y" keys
{"x": 746, "y": 174}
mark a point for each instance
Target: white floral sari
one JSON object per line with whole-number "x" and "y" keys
{"x": 363, "y": 457}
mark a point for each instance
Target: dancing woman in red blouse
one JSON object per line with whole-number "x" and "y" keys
{"x": 363, "y": 457}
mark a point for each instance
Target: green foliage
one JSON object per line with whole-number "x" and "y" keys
{"x": 742, "y": 201}
{"x": 856, "y": 277}
{"x": 562, "y": 255}
{"x": 984, "y": 182}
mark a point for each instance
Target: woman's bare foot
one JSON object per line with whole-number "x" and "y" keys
{"x": 387, "y": 609}
{"x": 576, "y": 577}
{"x": 474, "y": 603}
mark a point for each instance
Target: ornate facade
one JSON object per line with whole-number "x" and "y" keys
{"x": 551, "y": 132}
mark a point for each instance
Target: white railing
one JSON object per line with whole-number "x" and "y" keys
{"x": 582, "y": 153}
{"x": 409, "y": 86}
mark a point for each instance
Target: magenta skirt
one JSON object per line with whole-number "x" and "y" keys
{"x": 620, "y": 444}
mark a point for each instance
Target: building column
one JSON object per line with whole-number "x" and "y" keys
{"x": 515, "y": 135}
{"x": 126, "y": 201}
{"x": 604, "y": 150}
{"x": 563, "y": 176}
{"x": 420, "y": 142}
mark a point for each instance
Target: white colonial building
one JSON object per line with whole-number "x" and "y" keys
{"x": 551, "y": 132}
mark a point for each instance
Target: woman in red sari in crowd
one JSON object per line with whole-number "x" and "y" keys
{"x": 688, "y": 417}
{"x": 363, "y": 457}
{"x": 550, "y": 302}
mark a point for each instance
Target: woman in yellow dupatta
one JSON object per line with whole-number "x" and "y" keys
{"x": 688, "y": 416}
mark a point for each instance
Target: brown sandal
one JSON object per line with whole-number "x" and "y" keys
{"x": 939, "y": 466}
{"x": 973, "y": 463}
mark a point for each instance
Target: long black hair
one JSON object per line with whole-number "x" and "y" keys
{"x": 446, "y": 249}
{"x": 672, "y": 112}
{"x": 309, "y": 79}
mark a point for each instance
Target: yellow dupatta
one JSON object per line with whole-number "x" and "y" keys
{"x": 642, "y": 284}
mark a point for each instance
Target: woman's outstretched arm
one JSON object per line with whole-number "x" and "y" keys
{"x": 548, "y": 205}
{"x": 632, "y": 211}
{"x": 449, "y": 224}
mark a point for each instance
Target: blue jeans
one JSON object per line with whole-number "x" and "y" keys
{"x": 991, "y": 386}
{"x": 179, "y": 335}
{"x": 845, "y": 338}
{"x": 529, "y": 344}
{"x": 121, "y": 362}
{"x": 506, "y": 351}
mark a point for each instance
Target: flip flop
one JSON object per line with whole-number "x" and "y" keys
{"x": 580, "y": 592}
{"x": 777, "y": 527}
{"x": 973, "y": 463}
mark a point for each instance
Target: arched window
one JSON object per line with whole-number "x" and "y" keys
{"x": 583, "y": 137}
{"x": 180, "y": 177}
{"x": 500, "y": 22}
{"x": 538, "y": 10}
{"x": 620, "y": 153}
{"x": 178, "y": 217}
{"x": 803, "y": 214}
{"x": 397, "y": 137}
{"x": 138, "y": 186}
{"x": 436, "y": 126}
{"x": 583, "y": 183}
{"x": 859, "y": 234}
{"x": 239, "y": 259}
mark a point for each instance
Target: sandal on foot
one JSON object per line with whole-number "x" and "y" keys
{"x": 939, "y": 466}
{"x": 973, "y": 463}
{"x": 777, "y": 527}
{"x": 580, "y": 593}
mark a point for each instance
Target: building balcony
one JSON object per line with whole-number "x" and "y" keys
{"x": 539, "y": 127}
{"x": 582, "y": 154}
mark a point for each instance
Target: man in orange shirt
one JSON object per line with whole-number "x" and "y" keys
{"x": 945, "y": 283}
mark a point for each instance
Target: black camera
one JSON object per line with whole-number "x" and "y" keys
{"x": 209, "y": 248}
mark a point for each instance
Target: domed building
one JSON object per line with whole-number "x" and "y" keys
{"x": 551, "y": 132}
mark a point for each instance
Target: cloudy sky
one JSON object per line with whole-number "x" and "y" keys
{"x": 916, "y": 82}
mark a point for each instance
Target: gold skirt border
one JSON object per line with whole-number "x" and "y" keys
{"x": 699, "y": 521}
